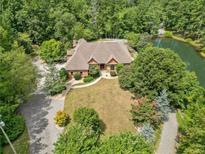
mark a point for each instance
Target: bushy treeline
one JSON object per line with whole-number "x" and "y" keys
{"x": 54, "y": 24}
{"x": 66, "y": 20}
{"x": 192, "y": 124}
{"x": 17, "y": 82}
{"x": 154, "y": 70}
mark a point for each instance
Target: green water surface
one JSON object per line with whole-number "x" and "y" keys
{"x": 194, "y": 61}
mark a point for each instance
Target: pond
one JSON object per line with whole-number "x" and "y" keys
{"x": 188, "y": 54}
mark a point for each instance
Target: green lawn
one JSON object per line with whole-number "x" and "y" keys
{"x": 109, "y": 100}
{"x": 21, "y": 145}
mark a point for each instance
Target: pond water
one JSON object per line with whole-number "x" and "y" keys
{"x": 188, "y": 54}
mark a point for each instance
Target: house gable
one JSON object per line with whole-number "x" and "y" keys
{"x": 92, "y": 61}
{"x": 112, "y": 61}
{"x": 100, "y": 52}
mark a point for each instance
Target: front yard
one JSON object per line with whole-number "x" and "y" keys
{"x": 109, "y": 100}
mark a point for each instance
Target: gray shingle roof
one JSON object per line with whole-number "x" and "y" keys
{"x": 101, "y": 51}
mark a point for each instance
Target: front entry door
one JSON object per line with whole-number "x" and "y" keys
{"x": 102, "y": 66}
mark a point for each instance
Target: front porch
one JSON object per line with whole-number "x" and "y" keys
{"x": 107, "y": 67}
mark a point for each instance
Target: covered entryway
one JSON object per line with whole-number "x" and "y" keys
{"x": 102, "y": 66}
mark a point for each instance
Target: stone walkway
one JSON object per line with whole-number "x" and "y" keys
{"x": 168, "y": 136}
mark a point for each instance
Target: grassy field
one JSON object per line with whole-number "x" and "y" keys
{"x": 109, "y": 100}
{"x": 21, "y": 145}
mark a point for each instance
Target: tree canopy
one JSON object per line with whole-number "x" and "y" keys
{"x": 17, "y": 82}
{"x": 125, "y": 143}
{"x": 17, "y": 76}
{"x": 68, "y": 19}
{"x": 52, "y": 51}
{"x": 156, "y": 69}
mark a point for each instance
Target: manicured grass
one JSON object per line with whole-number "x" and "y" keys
{"x": 109, "y": 100}
{"x": 21, "y": 145}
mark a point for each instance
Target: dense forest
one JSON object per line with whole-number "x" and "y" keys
{"x": 92, "y": 19}
{"x": 26, "y": 26}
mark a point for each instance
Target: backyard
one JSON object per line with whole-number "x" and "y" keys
{"x": 109, "y": 100}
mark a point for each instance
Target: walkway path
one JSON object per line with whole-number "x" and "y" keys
{"x": 168, "y": 136}
{"x": 91, "y": 83}
{"x": 86, "y": 85}
{"x": 39, "y": 112}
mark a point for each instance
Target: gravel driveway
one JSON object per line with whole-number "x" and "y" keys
{"x": 39, "y": 112}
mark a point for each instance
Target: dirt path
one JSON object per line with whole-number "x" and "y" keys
{"x": 168, "y": 137}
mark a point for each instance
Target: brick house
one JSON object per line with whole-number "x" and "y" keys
{"x": 105, "y": 54}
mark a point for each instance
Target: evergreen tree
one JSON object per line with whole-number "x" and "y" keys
{"x": 163, "y": 106}
{"x": 147, "y": 132}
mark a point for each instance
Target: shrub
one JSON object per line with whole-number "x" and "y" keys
{"x": 144, "y": 111}
{"x": 125, "y": 143}
{"x": 63, "y": 74}
{"x": 203, "y": 50}
{"x": 138, "y": 41}
{"x": 14, "y": 126}
{"x": 57, "y": 88}
{"x": 94, "y": 71}
{"x": 54, "y": 84}
{"x": 76, "y": 139}
{"x": 168, "y": 34}
{"x": 189, "y": 40}
{"x": 119, "y": 67}
{"x": 113, "y": 73}
{"x": 147, "y": 132}
{"x": 88, "y": 79}
{"x": 25, "y": 41}
{"x": 163, "y": 106}
{"x": 61, "y": 118}
{"x": 77, "y": 76}
{"x": 133, "y": 39}
{"x": 52, "y": 51}
{"x": 125, "y": 77}
{"x": 88, "y": 118}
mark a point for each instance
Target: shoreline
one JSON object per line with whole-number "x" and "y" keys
{"x": 196, "y": 45}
